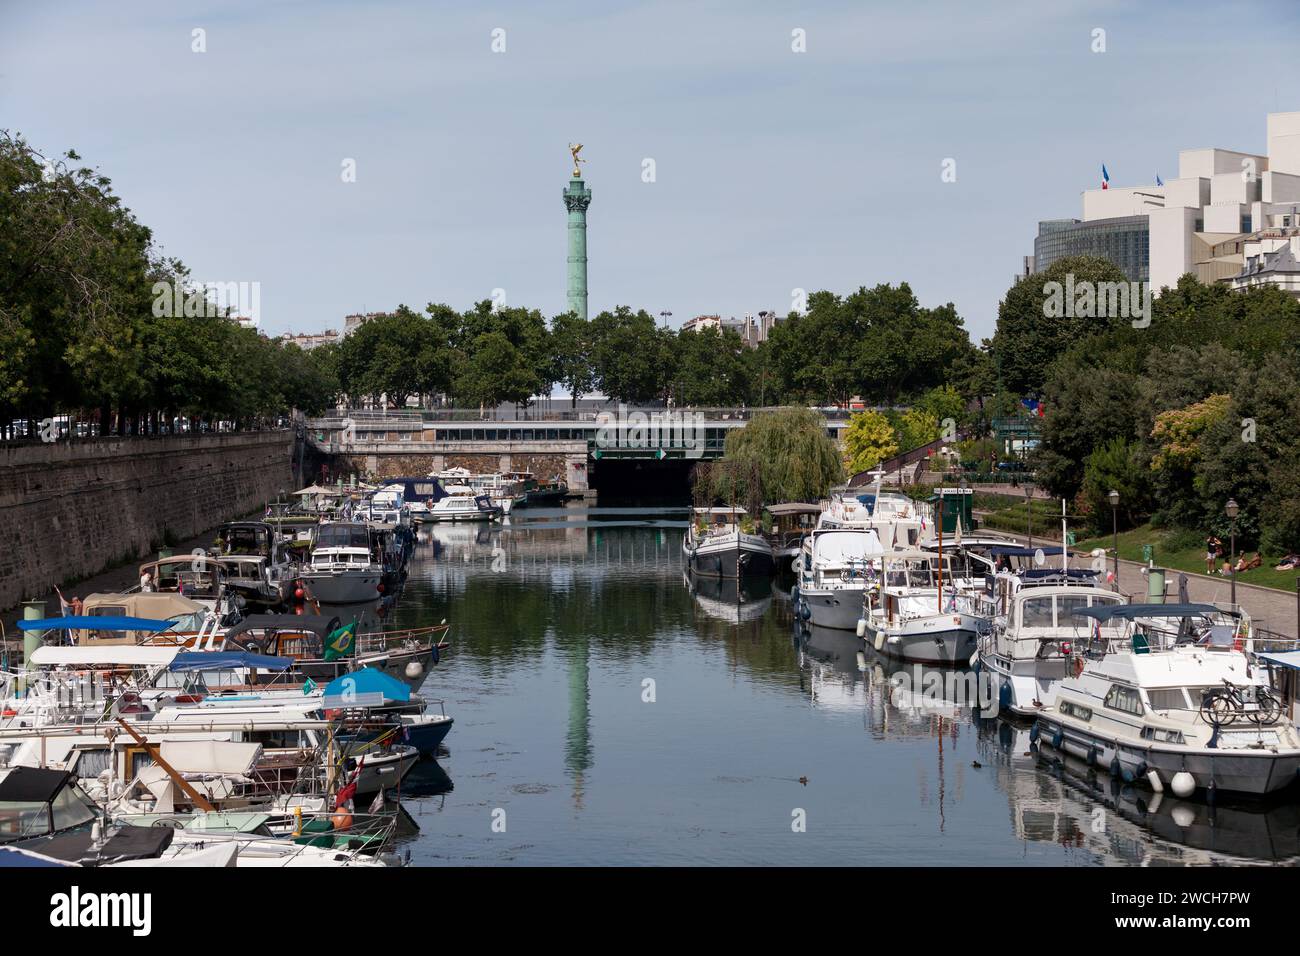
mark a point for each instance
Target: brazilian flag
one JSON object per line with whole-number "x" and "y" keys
{"x": 341, "y": 642}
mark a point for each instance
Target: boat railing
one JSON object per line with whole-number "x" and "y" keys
{"x": 402, "y": 637}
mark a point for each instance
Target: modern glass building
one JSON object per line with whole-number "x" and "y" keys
{"x": 1124, "y": 240}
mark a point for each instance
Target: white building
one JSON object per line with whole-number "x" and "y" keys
{"x": 1201, "y": 221}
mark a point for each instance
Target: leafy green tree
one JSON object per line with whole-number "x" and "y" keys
{"x": 711, "y": 368}
{"x": 917, "y": 427}
{"x": 1030, "y": 335}
{"x": 1115, "y": 466}
{"x": 785, "y": 455}
{"x": 571, "y": 355}
{"x": 632, "y": 356}
{"x": 868, "y": 440}
{"x": 495, "y": 371}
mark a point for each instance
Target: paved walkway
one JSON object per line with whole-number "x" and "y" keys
{"x": 1269, "y": 608}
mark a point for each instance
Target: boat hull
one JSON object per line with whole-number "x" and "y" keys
{"x": 840, "y": 609}
{"x": 732, "y": 562}
{"x": 342, "y": 587}
{"x": 951, "y": 646}
{"x": 1244, "y": 771}
{"x": 1023, "y": 691}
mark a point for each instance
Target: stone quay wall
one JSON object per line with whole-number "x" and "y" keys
{"x": 71, "y": 510}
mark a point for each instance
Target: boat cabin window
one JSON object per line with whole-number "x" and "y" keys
{"x": 70, "y": 809}
{"x": 92, "y": 762}
{"x": 1169, "y": 698}
{"x": 18, "y": 820}
{"x": 1036, "y": 612}
{"x": 1124, "y": 698}
{"x": 1075, "y": 710}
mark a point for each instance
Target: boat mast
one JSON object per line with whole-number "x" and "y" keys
{"x": 939, "y": 524}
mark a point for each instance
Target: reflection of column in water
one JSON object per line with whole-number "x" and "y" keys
{"x": 577, "y": 745}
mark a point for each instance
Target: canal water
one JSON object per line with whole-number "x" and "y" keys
{"x": 610, "y": 711}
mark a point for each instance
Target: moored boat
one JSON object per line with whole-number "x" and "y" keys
{"x": 720, "y": 544}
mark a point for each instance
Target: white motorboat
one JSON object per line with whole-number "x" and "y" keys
{"x": 463, "y": 503}
{"x": 344, "y": 568}
{"x": 925, "y": 607}
{"x": 833, "y": 569}
{"x": 1034, "y": 628}
{"x": 502, "y": 491}
{"x": 1185, "y": 713}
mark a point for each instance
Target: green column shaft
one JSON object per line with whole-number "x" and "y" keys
{"x": 577, "y": 197}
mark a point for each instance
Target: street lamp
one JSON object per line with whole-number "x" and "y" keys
{"x": 665, "y": 316}
{"x": 1231, "y": 509}
{"x": 1114, "y": 527}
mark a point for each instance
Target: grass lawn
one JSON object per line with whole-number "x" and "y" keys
{"x": 1166, "y": 555}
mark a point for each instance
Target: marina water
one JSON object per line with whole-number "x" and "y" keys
{"x": 611, "y": 711}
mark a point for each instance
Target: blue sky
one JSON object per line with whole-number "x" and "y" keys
{"x": 775, "y": 170}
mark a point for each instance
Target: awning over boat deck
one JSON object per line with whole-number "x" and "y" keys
{"x": 1289, "y": 659}
{"x": 110, "y": 655}
{"x": 32, "y": 784}
{"x": 1019, "y": 551}
{"x": 319, "y": 624}
{"x": 225, "y": 660}
{"x": 367, "y": 681}
{"x": 794, "y": 508}
{"x": 1130, "y": 612}
{"x": 91, "y": 622}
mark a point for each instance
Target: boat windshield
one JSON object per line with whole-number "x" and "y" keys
{"x": 342, "y": 536}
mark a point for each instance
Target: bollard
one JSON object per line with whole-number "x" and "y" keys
{"x": 32, "y": 611}
{"x": 1155, "y": 585}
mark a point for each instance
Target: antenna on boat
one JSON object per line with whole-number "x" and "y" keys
{"x": 1065, "y": 560}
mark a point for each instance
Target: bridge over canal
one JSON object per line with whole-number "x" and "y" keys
{"x": 617, "y": 448}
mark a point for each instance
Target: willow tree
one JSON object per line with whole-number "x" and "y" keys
{"x": 785, "y": 455}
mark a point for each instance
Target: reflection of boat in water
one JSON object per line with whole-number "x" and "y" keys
{"x": 1067, "y": 803}
{"x": 898, "y": 698}
{"x": 729, "y": 599}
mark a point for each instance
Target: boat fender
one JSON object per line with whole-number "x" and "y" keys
{"x": 862, "y": 630}
{"x": 794, "y": 594}
{"x": 1126, "y": 775}
{"x": 1004, "y": 695}
{"x": 1154, "y": 780}
{"x": 1092, "y": 756}
{"x": 880, "y": 640}
{"x": 1183, "y": 784}
{"x": 805, "y": 611}
{"x": 1115, "y": 766}
{"x": 1141, "y": 770}
{"x": 1211, "y": 792}
{"x": 1057, "y": 738}
{"x": 1033, "y": 733}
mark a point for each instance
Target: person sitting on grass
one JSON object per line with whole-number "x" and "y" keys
{"x": 1289, "y": 563}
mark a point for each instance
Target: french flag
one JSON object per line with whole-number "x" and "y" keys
{"x": 1105, "y": 177}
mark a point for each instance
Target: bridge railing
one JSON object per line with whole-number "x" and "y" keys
{"x": 408, "y": 416}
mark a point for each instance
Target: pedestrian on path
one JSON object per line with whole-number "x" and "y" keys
{"x": 1213, "y": 550}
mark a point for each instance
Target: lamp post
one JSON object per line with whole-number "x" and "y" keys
{"x": 1231, "y": 510}
{"x": 665, "y": 315}
{"x": 1114, "y": 527}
